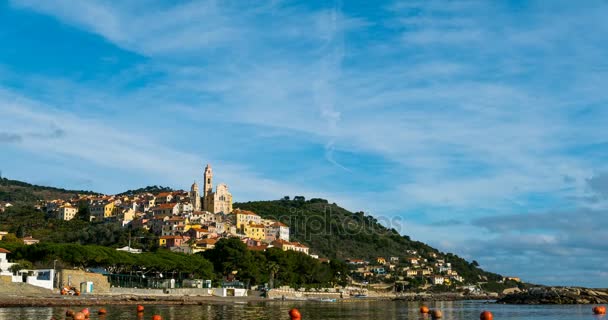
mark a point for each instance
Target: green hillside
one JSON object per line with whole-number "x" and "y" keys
{"x": 148, "y": 189}
{"x": 334, "y": 232}
{"x": 23, "y": 192}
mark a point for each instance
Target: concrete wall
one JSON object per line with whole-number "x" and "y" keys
{"x": 278, "y": 294}
{"x": 44, "y": 282}
{"x": 163, "y": 292}
{"x": 75, "y": 277}
{"x": 137, "y": 291}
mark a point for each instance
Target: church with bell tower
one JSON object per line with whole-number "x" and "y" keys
{"x": 218, "y": 201}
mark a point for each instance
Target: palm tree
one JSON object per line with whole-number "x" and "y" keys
{"x": 273, "y": 269}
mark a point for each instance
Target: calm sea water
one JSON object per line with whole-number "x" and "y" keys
{"x": 319, "y": 310}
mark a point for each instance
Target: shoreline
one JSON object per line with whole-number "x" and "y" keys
{"x": 104, "y": 300}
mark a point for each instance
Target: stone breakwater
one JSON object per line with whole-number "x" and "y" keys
{"x": 557, "y": 295}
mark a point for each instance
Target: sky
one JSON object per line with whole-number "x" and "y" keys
{"x": 475, "y": 126}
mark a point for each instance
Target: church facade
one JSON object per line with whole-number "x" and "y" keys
{"x": 218, "y": 201}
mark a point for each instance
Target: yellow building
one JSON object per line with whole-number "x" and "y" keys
{"x": 244, "y": 217}
{"x": 255, "y": 231}
{"x": 293, "y": 246}
{"x": 102, "y": 210}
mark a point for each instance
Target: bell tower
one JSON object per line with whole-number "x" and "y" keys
{"x": 195, "y": 197}
{"x": 208, "y": 188}
{"x": 208, "y": 175}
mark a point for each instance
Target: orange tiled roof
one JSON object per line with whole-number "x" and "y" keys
{"x": 245, "y": 212}
{"x": 166, "y": 206}
{"x": 258, "y": 248}
{"x": 207, "y": 241}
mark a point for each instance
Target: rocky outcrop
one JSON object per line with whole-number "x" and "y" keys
{"x": 557, "y": 295}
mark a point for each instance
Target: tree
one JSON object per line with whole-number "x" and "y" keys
{"x": 20, "y": 232}
{"x": 273, "y": 269}
{"x": 11, "y": 238}
{"x": 20, "y": 265}
{"x": 84, "y": 214}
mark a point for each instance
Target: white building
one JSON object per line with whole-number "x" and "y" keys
{"x": 44, "y": 278}
{"x": 66, "y": 212}
{"x": 4, "y": 264}
{"x": 438, "y": 280}
{"x": 276, "y": 231}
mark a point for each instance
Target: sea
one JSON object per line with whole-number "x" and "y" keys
{"x": 360, "y": 309}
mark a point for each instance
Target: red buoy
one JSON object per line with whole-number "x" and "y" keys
{"x": 86, "y": 312}
{"x": 69, "y": 313}
{"x": 295, "y": 314}
{"x": 436, "y": 314}
{"x": 424, "y": 309}
{"x": 79, "y": 316}
{"x": 599, "y": 310}
{"x": 140, "y": 308}
{"x": 486, "y": 315}
{"x": 157, "y": 317}
{"x": 102, "y": 311}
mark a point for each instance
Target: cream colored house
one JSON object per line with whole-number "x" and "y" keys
{"x": 66, "y": 212}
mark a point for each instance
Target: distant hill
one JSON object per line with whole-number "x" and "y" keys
{"x": 334, "y": 232}
{"x": 148, "y": 189}
{"x": 23, "y": 192}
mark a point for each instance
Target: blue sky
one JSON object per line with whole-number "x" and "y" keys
{"x": 478, "y": 127}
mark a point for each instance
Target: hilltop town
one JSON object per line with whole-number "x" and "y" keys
{"x": 184, "y": 221}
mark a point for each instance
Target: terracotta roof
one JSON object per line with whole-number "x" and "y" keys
{"x": 207, "y": 241}
{"x": 164, "y": 206}
{"x": 258, "y": 248}
{"x": 163, "y": 194}
{"x": 2, "y": 250}
{"x": 245, "y": 212}
{"x": 278, "y": 224}
{"x": 254, "y": 225}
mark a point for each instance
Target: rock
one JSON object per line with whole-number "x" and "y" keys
{"x": 556, "y": 295}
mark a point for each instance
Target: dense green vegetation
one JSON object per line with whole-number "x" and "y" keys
{"x": 274, "y": 266}
{"x": 17, "y": 191}
{"x": 25, "y": 220}
{"x": 148, "y": 189}
{"x": 89, "y": 256}
{"x": 334, "y": 232}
